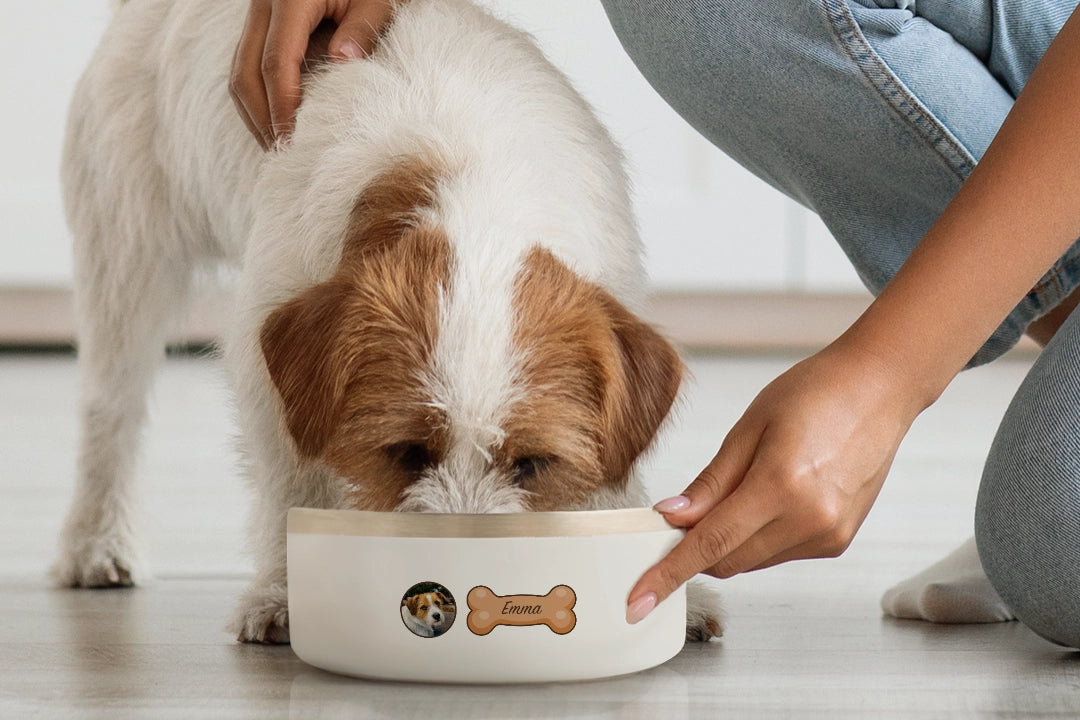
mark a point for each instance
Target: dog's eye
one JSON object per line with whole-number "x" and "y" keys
{"x": 527, "y": 468}
{"x": 413, "y": 458}
{"x": 423, "y": 607}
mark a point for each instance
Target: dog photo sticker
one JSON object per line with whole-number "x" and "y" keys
{"x": 428, "y": 609}
{"x": 488, "y": 610}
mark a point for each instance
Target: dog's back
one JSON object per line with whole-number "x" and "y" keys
{"x": 152, "y": 125}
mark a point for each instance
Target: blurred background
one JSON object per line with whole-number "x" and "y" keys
{"x": 731, "y": 261}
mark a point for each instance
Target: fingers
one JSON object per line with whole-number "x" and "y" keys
{"x": 265, "y": 79}
{"x": 708, "y": 543}
{"x": 722, "y": 475}
{"x": 760, "y": 524}
{"x": 760, "y": 551}
{"x": 827, "y": 534}
{"x": 290, "y": 26}
{"x": 816, "y": 548}
{"x": 359, "y": 28}
{"x": 711, "y": 497}
{"x": 246, "y": 81}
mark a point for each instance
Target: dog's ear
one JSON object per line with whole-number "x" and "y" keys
{"x": 388, "y": 279}
{"x": 307, "y": 364}
{"x": 641, "y": 388}
{"x": 582, "y": 343}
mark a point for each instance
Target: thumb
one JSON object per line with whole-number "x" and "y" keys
{"x": 358, "y": 29}
{"x": 717, "y": 481}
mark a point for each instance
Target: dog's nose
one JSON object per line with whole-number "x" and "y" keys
{"x": 437, "y": 617}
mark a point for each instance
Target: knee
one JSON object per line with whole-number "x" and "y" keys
{"x": 1027, "y": 536}
{"x": 1026, "y": 517}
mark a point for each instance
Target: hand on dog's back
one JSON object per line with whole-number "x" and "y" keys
{"x": 265, "y": 78}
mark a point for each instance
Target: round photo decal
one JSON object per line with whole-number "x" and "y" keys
{"x": 428, "y": 609}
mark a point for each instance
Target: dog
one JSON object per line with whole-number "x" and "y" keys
{"x": 438, "y": 279}
{"x": 428, "y": 614}
{"x": 449, "y": 614}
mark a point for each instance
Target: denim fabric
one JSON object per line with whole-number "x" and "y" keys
{"x": 872, "y": 113}
{"x": 869, "y": 112}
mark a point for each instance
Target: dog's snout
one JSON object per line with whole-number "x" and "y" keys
{"x": 467, "y": 490}
{"x": 437, "y": 616}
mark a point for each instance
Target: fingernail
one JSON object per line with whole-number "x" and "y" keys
{"x": 641, "y": 607}
{"x": 351, "y": 50}
{"x": 672, "y": 504}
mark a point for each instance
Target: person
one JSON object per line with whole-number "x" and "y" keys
{"x": 939, "y": 140}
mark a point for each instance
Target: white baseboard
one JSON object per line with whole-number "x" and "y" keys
{"x": 696, "y": 321}
{"x": 45, "y": 316}
{"x": 753, "y": 321}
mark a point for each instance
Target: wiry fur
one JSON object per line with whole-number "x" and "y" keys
{"x": 162, "y": 181}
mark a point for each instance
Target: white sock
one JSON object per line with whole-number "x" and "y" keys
{"x": 952, "y": 590}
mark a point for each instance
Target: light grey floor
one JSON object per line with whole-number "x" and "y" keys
{"x": 803, "y": 640}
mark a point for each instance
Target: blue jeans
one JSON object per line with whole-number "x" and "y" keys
{"x": 872, "y": 113}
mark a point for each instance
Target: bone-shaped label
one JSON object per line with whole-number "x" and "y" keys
{"x": 488, "y": 610}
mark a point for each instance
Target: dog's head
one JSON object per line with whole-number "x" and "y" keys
{"x": 462, "y": 377}
{"x": 428, "y": 608}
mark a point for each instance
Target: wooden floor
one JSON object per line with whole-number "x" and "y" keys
{"x": 803, "y": 640}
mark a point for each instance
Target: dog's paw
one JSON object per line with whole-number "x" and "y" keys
{"x": 704, "y": 612}
{"x": 101, "y": 561}
{"x": 263, "y": 615}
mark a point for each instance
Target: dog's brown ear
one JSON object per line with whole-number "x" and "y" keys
{"x": 305, "y": 341}
{"x": 640, "y": 391}
{"x": 307, "y": 364}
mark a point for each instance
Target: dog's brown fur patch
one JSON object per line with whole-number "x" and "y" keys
{"x": 346, "y": 354}
{"x": 598, "y": 383}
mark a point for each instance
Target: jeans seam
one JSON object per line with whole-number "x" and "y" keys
{"x": 893, "y": 91}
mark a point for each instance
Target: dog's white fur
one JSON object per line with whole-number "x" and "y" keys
{"x": 162, "y": 181}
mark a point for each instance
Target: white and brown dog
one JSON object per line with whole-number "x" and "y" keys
{"x": 428, "y": 614}
{"x": 438, "y": 275}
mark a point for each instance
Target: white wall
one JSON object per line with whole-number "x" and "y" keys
{"x": 707, "y": 223}
{"x": 45, "y": 46}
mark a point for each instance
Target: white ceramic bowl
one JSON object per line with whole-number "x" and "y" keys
{"x": 524, "y": 597}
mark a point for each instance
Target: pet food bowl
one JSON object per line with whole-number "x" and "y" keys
{"x": 522, "y": 597}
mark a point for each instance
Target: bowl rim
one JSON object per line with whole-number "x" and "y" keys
{"x": 574, "y": 523}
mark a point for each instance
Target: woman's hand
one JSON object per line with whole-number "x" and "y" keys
{"x": 795, "y": 477}
{"x": 265, "y": 80}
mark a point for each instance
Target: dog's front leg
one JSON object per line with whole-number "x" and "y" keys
{"x": 704, "y": 612}
{"x": 262, "y": 614}
{"x": 127, "y": 295}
